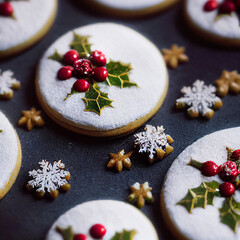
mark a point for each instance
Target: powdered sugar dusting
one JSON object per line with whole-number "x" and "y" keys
{"x": 6, "y": 81}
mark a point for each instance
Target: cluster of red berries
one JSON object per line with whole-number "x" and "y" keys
{"x": 228, "y": 172}
{"x": 97, "y": 231}
{"x": 227, "y": 6}
{"x": 6, "y": 9}
{"x": 82, "y": 68}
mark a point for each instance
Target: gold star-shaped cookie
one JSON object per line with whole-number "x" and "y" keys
{"x": 174, "y": 56}
{"x": 141, "y": 193}
{"x": 31, "y": 119}
{"x": 120, "y": 160}
{"x": 228, "y": 82}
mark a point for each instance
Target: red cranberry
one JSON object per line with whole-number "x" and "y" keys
{"x": 227, "y": 189}
{"x": 228, "y": 171}
{"x": 210, "y": 5}
{"x": 227, "y": 7}
{"x": 80, "y": 237}
{"x": 236, "y": 155}
{"x": 209, "y": 169}
{"x": 81, "y": 85}
{"x": 98, "y": 58}
{"x": 65, "y": 72}
{"x": 83, "y": 68}
{"x": 100, "y": 74}
{"x": 70, "y": 57}
{"x": 98, "y": 231}
{"x": 6, "y": 9}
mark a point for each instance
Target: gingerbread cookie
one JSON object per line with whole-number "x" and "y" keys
{"x": 103, "y": 219}
{"x": 130, "y": 8}
{"x": 10, "y": 155}
{"x": 215, "y": 20}
{"x": 23, "y": 23}
{"x": 88, "y": 83}
{"x": 200, "y": 196}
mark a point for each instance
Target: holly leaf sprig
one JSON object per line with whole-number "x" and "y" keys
{"x": 125, "y": 235}
{"x": 220, "y": 15}
{"x": 1, "y": 130}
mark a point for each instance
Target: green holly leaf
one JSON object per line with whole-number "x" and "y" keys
{"x": 1, "y": 130}
{"x": 73, "y": 91}
{"x": 67, "y": 233}
{"x": 56, "y": 56}
{"x": 200, "y": 196}
{"x": 81, "y": 44}
{"x": 118, "y": 74}
{"x": 125, "y": 235}
{"x": 96, "y": 100}
{"x": 230, "y": 213}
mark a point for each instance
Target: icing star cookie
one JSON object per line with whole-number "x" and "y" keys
{"x": 27, "y": 23}
{"x": 89, "y": 83}
{"x": 130, "y": 8}
{"x": 200, "y": 196}
{"x": 103, "y": 219}
{"x": 10, "y": 155}
{"x": 217, "y": 22}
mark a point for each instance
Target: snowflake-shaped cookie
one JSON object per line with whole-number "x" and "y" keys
{"x": 199, "y": 99}
{"x": 155, "y": 142}
{"x": 49, "y": 178}
{"x": 7, "y": 83}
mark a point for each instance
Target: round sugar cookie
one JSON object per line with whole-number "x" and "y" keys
{"x": 202, "y": 223}
{"x": 224, "y": 30}
{"x": 130, "y": 8}
{"x": 10, "y": 155}
{"x": 131, "y": 106}
{"x": 32, "y": 20}
{"x": 115, "y": 216}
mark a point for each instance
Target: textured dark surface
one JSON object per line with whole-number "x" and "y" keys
{"x": 23, "y": 217}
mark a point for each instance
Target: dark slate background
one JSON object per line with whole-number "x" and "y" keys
{"x": 23, "y": 217}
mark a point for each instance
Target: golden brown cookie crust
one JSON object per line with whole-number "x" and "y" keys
{"x": 15, "y": 172}
{"x": 34, "y": 39}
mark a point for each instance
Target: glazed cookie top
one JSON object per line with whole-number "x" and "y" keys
{"x": 114, "y": 215}
{"x": 202, "y": 223}
{"x": 119, "y": 43}
{"x": 31, "y": 16}
{"x": 8, "y": 150}
{"x": 226, "y": 26}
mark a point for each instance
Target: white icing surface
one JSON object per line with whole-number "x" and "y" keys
{"x": 119, "y": 43}
{"x": 30, "y": 15}
{"x": 114, "y": 215}
{"x": 202, "y": 224}
{"x": 227, "y": 26}
{"x": 130, "y": 4}
{"x": 8, "y": 150}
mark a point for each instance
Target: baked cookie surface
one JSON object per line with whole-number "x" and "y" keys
{"x": 114, "y": 215}
{"x": 131, "y": 106}
{"x": 202, "y": 223}
{"x": 33, "y": 20}
{"x": 10, "y": 155}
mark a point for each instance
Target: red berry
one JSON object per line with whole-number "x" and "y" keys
{"x": 80, "y": 237}
{"x": 227, "y": 7}
{"x": 70, "y": 57}
{"x": 98, "y": 58}
{"x": 98, "y": 231}
{"x": 6, "y": 9}
{"x": 81, "y": 85}
{"x": 83, "y": 68}
{"x": 227, "y": 189}
{"x": 65, "y": 72}
{"x": 209, "y": 169}
{"x": 100, "y": 74}
{"x": 228, "y": 171}
{"x": 236, "y": 155}
{"x": 210, "y": 5}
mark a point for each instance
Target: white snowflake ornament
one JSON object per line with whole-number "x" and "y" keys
{"x": 155, "y": 142}
{"x": 49, "y": 178}
{"x": 7, "y": 83}
{"x": 200, "y": 100}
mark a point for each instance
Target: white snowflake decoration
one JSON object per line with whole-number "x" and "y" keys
{"x": 7, "y": 81}
{"x": 200, "y": 97}
{"x": 151, "y": 139}
{"x": 49, "y": 177}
